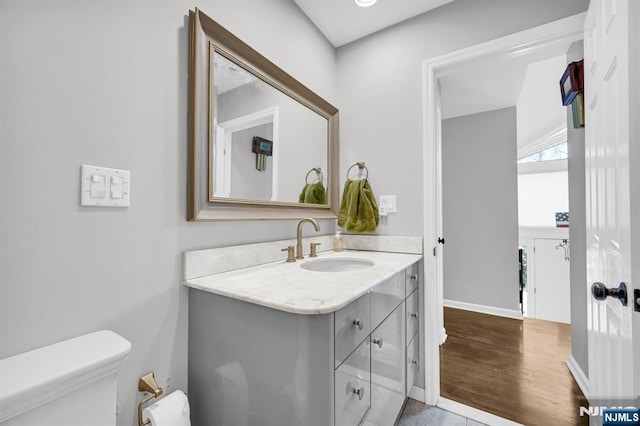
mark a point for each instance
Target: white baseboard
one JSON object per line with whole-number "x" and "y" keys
{"x": 443, "y": 336}
{"x": 483, "y": 309}
{"x": 474, "y": 414}
{"x": 417, "y": 393}
{"x": 579, "y": 376}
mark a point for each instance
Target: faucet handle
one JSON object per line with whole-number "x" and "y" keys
{"x": 289, "y": 250}
{"x": 313, "y": 250}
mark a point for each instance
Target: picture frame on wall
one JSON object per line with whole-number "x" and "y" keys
{"x": 571, "y": 82}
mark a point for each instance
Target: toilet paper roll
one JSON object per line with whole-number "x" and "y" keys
{"x": 172, "y": 410}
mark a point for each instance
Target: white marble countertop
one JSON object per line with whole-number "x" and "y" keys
{"x": 290, "y": 288}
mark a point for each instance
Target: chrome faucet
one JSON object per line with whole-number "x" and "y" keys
{"x": 299, "y": 254}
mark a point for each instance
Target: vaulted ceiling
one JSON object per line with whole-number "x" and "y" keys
{"x": 342, "y": 21}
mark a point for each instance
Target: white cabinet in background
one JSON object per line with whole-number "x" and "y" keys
{"x": 551, "y": 281}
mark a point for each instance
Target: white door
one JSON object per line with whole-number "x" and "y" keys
{"x": 611, "y": 50}
{"x": 552, "y": 286}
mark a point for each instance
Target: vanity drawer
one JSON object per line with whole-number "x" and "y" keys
{"x": 413, "y": 362}
{"x": 353, "y": 387}
{"x": 388, "y": 352}
{"x": 413, "y": 315}
{"x": 412, "y": 278}
{"x": 385, "y": 297}
{"x": 352, "y": 325}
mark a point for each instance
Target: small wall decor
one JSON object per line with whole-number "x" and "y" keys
{"x": 571, "y": 89}
{"x": 562, "y": 219}
{"x": 263, "y": 148}
{"x": 571, "y": 82}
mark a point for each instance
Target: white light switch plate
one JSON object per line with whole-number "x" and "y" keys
{"x": 104, "y": 187}
{"x": 388, "y": 202}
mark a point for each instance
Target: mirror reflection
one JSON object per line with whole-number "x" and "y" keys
{"x": 265, "y": 145}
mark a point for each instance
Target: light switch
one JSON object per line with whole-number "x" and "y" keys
{"x": 104, "y": 187}
{"x": 388, "y": 202}
{"x": 97, "y": 186}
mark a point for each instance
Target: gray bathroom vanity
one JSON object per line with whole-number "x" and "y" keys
{"x": 296, "y": 344}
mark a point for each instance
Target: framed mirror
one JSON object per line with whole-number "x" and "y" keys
{"x": 261, "y": 144}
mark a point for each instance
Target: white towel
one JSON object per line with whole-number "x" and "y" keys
{"x": 172, "y": 410}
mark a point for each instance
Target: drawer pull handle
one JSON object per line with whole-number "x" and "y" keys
{"x": 378, "y": 341}
{"x": 359, "y": 322}
{"x": 413, "y": 315}
{"x": 359, "y": 391}
{"x": 416, "y": 363}
{"x": 414, "y": 277}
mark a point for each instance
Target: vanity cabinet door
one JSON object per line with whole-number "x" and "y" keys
{"x": 385, "y": 297}
{"x": 352, "y": 325}
{"x": 413, "y": 362}
{"x": 411, "y": 278}
{"x": 388, "y": 372}
{"x": 413, "y": 315}
{"x": 353, "y": 387}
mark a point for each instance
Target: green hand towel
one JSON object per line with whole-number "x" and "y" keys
{"x": 313, "y": 193}
{"x": 358, "y": 209}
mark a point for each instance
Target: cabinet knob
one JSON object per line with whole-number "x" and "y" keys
{"x": 416, "y": 363}
{"x": 378, "y": 341}
{"x": 413, "y": 315}
{"x": 414, "y": 277}
{"x": 359, "y": 391}
{"x": 359, "y": 322}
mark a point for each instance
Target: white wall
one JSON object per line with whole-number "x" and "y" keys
{"x": 105, "y": 83}
{"x": 541, "y": 116}
{"x": 480, "y": 209}
{"x": 540, "y": 196}
{"x": 380, "y": 90}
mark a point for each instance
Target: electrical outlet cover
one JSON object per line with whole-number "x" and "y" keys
{"x": 389, "y": 202}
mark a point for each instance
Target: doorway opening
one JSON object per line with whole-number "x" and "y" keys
{"x": 537, "y": 41}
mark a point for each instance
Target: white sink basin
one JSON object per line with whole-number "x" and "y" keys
{"x": 337, "y": 265}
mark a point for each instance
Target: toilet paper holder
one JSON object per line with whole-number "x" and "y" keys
{"x": 147, "y": 383}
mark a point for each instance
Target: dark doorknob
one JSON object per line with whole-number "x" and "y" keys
{"x": 600, "y": 292}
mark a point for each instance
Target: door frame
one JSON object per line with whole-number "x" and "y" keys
{"x": 528, "y": 41}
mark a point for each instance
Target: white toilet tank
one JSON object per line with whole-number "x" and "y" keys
{"x": 71, "y": 383}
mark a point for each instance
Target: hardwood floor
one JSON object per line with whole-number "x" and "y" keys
{"x": 511, "y": 368}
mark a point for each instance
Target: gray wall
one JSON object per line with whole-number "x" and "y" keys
{"x": 577, "y": 233}
{"x": 380, "y": 90}
{"x": 105, "y": 83}
{"x": 480, "y": 209}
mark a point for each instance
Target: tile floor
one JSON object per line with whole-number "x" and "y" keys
{"x": 417, "y": 414}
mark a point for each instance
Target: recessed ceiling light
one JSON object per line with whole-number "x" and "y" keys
{"x": 365, "y": 3}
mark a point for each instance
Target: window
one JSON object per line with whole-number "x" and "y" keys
{"x": 555, "y": 152}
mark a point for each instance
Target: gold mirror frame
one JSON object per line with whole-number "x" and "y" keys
{"x": 204, "y": 33}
